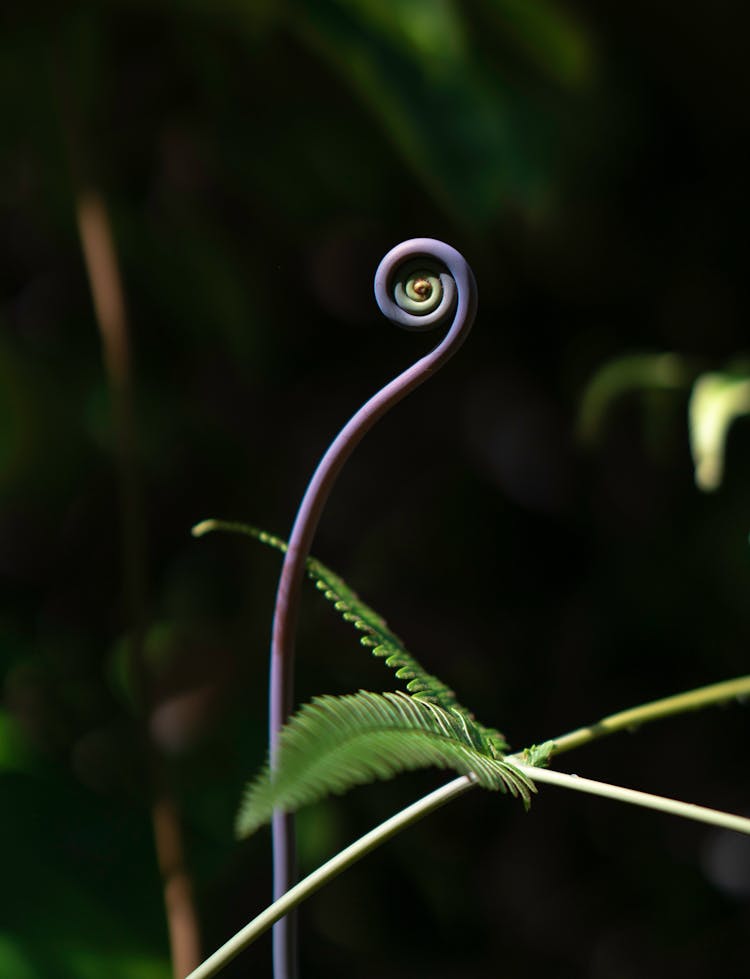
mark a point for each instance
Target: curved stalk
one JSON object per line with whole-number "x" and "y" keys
{"x": 420, "y": 284}
{"x": 634, "y": 717}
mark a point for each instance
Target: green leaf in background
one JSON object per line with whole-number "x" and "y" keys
{"x": 80, "y": 920}
{"x": 335, "y": 743}
{"x": 458, "y": 124}
{"x": 13, "y": 959}
{"x": 548, "y": 36}
{"x": 635, "y": 372}
{"x": 717, "y": 399}
{"x": 16, "y": 755}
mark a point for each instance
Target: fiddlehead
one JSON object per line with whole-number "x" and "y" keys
{"x": 420, "y": 284}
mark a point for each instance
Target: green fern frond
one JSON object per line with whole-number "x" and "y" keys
{"x": 335, "y": 743}
{"x": 375, "y": 634}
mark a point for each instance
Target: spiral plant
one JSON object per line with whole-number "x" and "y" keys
{"x": 334, "y": 743}
{"x": 419, "y": 285}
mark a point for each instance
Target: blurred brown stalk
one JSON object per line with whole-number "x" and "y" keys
{"x": 102, "y": 268}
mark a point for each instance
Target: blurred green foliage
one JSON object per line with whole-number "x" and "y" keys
{"x": 716, "y": 401}
{"x": 257, "y": 159}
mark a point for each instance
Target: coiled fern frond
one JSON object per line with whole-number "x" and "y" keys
{"x": 335, "y": 743}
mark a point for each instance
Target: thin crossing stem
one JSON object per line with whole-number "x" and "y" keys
{"x": 423, "y": 807}
{"x": 624, "y": 720}
{"x": 332, "y": 868}
{"x": 634, "y": 717}
{"x": 687, "y": 810}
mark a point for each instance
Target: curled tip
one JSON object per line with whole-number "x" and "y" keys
{"x": 204, "y": 527}
{"x": 423, "y": 283}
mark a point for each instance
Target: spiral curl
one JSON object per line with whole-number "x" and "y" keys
{"x": 423, "y": 283}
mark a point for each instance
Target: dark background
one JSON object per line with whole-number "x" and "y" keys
{"x": 256, "y": 160}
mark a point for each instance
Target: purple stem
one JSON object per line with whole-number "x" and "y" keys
{"x": 459, "y": 301}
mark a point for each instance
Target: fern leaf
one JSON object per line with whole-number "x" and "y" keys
{"x": 335, "y": 743}
{"x": 375, "y": 634}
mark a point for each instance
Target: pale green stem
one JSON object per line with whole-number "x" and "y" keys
{"x": 625, "y": 720}
{"x": 366, "y": 844}
{"x": 332, "y": 868}
{"x": 644, "y": 799}
{"x": 680, "y": 703}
